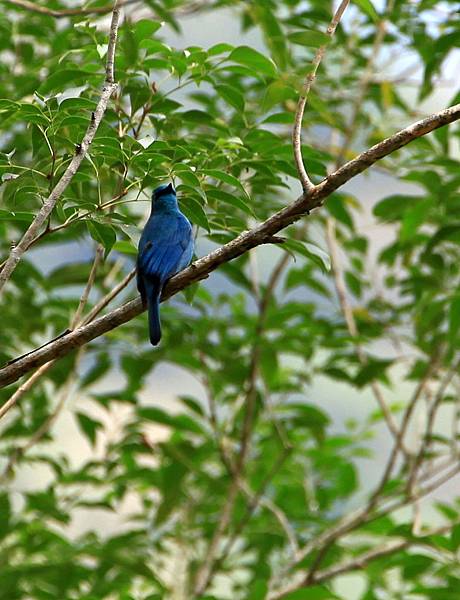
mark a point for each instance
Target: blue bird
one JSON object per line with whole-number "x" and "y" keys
{"x": 165, "y": 248}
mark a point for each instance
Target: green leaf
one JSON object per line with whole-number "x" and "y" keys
{"x": 244, "y": 55}
{"x": 310, "y": 251}
{"x": 26, "y": 217}
{"x": 145, "y": 28}
{"x": 414, "y": 217}
{"x": 33, "y": 114}
{"x": 72, "y": 104}
{"x": 226, "y": 178}
{"x": 454, "y": 319}
{"x": 235, "y": 201}
{"x": 59, "y": 79}
{"x": 8, "y": 105}
{"x": 258, "y": 590}
{"x": 155, "y": 46}
{"x": 102, "y": 233}
{"x": 455, "y": 537}
{"x": 337, "y": 207}
{"x": 277, "y": 92}
{"x": 309, "y": 38}
{"x": 231, "y": 95}
{"x": 354, "y": 283}
{"x": 393, "y": 207}
{"x": 274, "y": 36}
{"x": 5, "y": 511}
{"x": 316, "y": 592}
{"x": 179, "y": 422}
{"x": 125, "y": 247}
{"x": 373, "y": 370}
{"x": 222, "y": 48}
{"x": 194, "y": 211}
{"x": 88, "y": 426}
{"x": 368, "y": 9}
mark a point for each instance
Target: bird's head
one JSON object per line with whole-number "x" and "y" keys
{"x": 164, "y": 198}
{"x": 166, "y": 189}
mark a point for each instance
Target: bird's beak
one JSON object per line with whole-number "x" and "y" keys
{"x": 171, "y": 188}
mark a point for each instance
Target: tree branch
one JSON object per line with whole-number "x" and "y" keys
{"x": 349, "y": 317}
{"x": 95, "y": 10}
{"x": 18, "y": 453}
{"x": 364, "y": 82}
{"x": 212, "y": 562}
{"x": 207, "y": 570}
{"x": 360, "y": 562}
{"x": 89, "y": 284}
{"x": 427, "y": 438}
{"x": 432, "y": 366}
{"x": 109, "y": 87}
{"x": 67, "y": 12}
{"x": 305, "y": 180}
{"x": 347, "y": 525}
{"x": 75, "y": 322}
{"x": 241, "y": 244}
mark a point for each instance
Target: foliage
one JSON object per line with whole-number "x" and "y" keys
{"x": 247, "y": 477}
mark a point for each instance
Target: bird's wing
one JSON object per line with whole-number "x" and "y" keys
{"x": 162, "y": 253}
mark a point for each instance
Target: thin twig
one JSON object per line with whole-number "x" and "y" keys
{"x": 254, "y": 503}
{"x": 24, "y": 387}
{"x": 347, "y": 311}
{"x": 76, "y": 321}
{"x": 361, "y": 562}
{"x": 364, "y": 82}
{"x": 207, "y": 569}
{"x": 350, "y": 523}
{"x": 403, "y": 428}
{"x": 211, "y": 563}
{"x": 89, "y": 284}
{"x": 427, "y": 439}
{"x": 260, "y": 234}
{"x": 108, "y": 89}
{"x": 228, "y": 464}
{"x": 103, "y": 302}
{"x": 38, "y": 435}
{"x": 305, "y": 180}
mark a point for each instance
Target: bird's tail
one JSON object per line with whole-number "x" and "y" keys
{"x": 153, "y": 289}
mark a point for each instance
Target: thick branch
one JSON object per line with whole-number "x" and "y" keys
{"x": 81, "y": 151}
{"x": 245, "y": 241}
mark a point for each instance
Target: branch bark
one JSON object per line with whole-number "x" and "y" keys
{"x": 67, "y": 12}
{"x": 261, "y": 234}
{"x": 45, "y": 211}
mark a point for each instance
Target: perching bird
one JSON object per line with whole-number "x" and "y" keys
{"x": 165, "y": 248}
